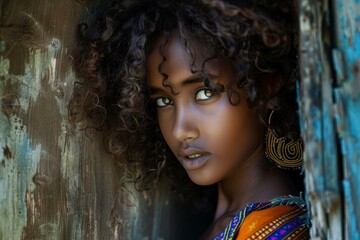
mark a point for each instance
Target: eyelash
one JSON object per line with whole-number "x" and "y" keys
{"x": 208, "y": 93}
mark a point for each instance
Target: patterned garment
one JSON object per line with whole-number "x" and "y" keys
{"x": 279, "y": 218}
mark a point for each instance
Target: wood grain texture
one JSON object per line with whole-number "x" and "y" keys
{"x": 330, "y": 97}
{"x": 323, "y": 175}
{"x": 347, "y": 104}
{"x": 54, "y": 183}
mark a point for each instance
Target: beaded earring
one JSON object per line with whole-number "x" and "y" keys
{"x": 285, "y": 152}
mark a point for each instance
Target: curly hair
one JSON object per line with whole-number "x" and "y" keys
{"x": 112, "y": 95}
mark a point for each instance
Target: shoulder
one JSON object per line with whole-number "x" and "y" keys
{"x": 278, "y": 222}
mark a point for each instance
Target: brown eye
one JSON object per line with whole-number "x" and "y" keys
{"x": 163, "y": 102}
{"x": 204, "y": 94}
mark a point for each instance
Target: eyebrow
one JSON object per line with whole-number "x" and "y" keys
{"x": 196, "y": 78}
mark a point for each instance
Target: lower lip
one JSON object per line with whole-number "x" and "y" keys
{"x": 194, "y": 163}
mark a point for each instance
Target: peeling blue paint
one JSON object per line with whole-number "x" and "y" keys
{"x": 337, "y": 61}
{"x": 20, "y": 166}
{"x": 354, "y": 233}
{"x": 319, "y": 67}
{"x": 349, "y": 32}
{"x": 353, "y": 51}
{"x": 347, "y": 116}
{"x": 330, "y": 152}
{"x": 353, "y": 111}
{"x": 316, "y": 123}
{"x": 16, "y": 180}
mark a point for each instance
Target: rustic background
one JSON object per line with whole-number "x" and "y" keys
{"x": 330, "y": 99}
{"x": 56, "y": 183}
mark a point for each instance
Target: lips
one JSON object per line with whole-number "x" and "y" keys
{"x": 193, "y": 158}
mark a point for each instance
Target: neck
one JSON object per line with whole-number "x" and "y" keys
{"x": 258, "y": 181}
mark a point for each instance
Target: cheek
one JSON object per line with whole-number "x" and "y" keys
{"x": 235, "y": 127}
{"x": 165, "y": 127}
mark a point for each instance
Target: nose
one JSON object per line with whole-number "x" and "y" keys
{"x": 185, "y": 128}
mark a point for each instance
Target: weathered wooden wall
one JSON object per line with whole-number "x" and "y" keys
{"x": 55, "y": 183}
{"x": 330, "y": 98}
{"x": 346, "y": 65}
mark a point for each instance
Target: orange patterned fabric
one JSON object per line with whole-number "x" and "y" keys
{"x": 279, "y": 222}
{"x": 283, "y": 217}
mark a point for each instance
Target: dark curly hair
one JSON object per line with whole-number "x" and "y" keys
{"x": 112, "y": 95}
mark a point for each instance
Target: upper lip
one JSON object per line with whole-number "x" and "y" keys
{"x": 185, "y": 152}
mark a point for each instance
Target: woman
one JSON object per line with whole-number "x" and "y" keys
{"x": 209, "y": 85}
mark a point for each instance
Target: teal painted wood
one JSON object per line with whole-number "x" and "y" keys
{"x": 346, "y": 63}
{"x": 323, "y": 174}
{"x": 330, "y": 97}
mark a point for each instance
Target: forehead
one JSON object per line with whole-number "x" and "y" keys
{"x": 169, "y": 57}
{"x": 174, "y": 43}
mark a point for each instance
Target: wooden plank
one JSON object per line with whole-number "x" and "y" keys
{"x": 317, "y": 110}
{"x": 55, "y": 184}
{"x": 347, "y": 95}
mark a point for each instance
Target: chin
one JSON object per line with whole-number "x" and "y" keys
{"x": 200, "y": 180}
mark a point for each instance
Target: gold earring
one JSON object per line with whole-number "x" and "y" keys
{"x": 286, "y": 153}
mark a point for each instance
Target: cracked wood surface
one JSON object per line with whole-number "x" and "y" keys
{"x": 330, "y": 107}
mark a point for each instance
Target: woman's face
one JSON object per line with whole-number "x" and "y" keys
{"x": 212, "y": 139}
